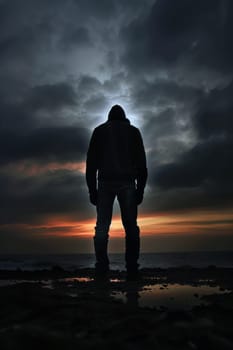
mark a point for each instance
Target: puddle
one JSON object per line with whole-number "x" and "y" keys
{"x": 5, "y": 283}
{"x": 116, "y": 280}
{"x": 76, "y": 279}
{"x": 171, "y": 296}
{"x": 159, "y": 295}
{"x": 49, "y": 284}
{"x": 44, "y": 283}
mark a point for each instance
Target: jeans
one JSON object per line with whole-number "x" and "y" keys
{"x": 126, "y": 195}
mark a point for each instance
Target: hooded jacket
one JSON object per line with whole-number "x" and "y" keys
{"x": 116, "y": 154}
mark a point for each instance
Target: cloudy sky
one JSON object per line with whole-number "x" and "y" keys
{"x": 63, "y": 64}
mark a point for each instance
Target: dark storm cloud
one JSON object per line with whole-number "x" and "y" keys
{"x": 185, "y": 31}
{"x": 102, "y": 9}
{"x": 207, "y": 167}
{"x": 79, "y": 37}
{"x": 34, "y": 199}
{"x": 26, "y": 30}
{"x": 14, "y": 117}
{"x": 88, "y": 84}
{"x": 111, "y": 10}
{"x": 167, "y": 108}
{"x": 44, "y": 144}
{"x": 186, "y": 199}
{"x": 50, "y": 97}
{"x": 159, "y": 124}
{"x": 162, "y": 137}
{"x": 164, "y": 92}
{"x": 30, "y": 29}
{"x": 26, "y": 111}
{"x": 214, "y": 117}
{"x": 211, "y": 158}
{"x": 208, "y": 164}
{"x": 96, "y": 103}
{"x": 22, "y": 136}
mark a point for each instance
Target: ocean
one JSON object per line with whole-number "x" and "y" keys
{"x": 147, "y": 260}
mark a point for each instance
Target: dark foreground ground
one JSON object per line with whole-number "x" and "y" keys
{"x": 50, "y": 310}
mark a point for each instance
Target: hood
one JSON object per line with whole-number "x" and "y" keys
{"x": 116, "y": 113}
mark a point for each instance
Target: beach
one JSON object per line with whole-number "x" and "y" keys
{"x": 179, "y": 307}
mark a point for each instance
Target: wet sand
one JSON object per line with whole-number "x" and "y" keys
{"x": 183, "y": 308}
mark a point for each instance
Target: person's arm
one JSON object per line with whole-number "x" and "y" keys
{"x": 92, "y": 167}
{"x": 142, "y": 172}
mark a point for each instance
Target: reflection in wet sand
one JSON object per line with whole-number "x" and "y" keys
{"x": 76, "y": 279}
{"x": 153, "y": 292}
{"x": 171, "y": 296}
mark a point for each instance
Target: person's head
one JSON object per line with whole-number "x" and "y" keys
{"x": 116, "y": 113}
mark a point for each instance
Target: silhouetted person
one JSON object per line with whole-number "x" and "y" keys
{"x": 116, "y": 167}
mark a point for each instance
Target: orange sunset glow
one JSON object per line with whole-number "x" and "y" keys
{"x": 29, "y": 168}
{"x": 150, "y": 225}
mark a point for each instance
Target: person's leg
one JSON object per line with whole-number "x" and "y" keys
{"x": 104, "y": 209}
{"x": 128, "y": 205}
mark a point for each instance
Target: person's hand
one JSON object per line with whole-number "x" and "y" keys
{"x": 93, "y": 197}
{"x": 139, "y": 196}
